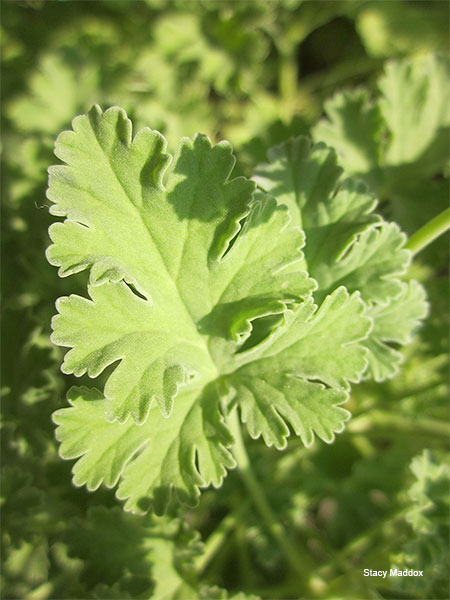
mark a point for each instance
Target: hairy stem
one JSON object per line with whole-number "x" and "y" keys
{"x": 299, "y": 560}
{"x": 429, "y": 232}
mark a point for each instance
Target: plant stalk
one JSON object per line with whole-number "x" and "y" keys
{"x": 299, "y": 560}
{"x": 217, "y": 537}
{"x": 429, "y": 232}
{"x": 379, "y": 419}
{"x": 287, "y": 77}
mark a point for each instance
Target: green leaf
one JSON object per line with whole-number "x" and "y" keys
{"x": 301, "y": 377}
{"x": 183, "y": 453}
{"x": 197, "y": 286}
{"x": 56, "y": 92}
{"x": 400, "y": 137}
{"x": 428, "y": 496}
{"x": 354, "y": 128}
{"x": 230, "y": 55}
{"x": 415, "y": 104}
{"x": 346, "y": 244}
{"x": 396, "y": 27}
{"x": 371, "y": 265}
{"x": 394, "y": 323}
{"x": 300, "y": 176}
{"x": 426, "y": 547}
{"x": 155, "y": 553}
{"x": 290, "y": 377}
{"x": 173, "y": 243}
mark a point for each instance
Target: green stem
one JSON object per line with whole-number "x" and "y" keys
{"x": 414, "y": 392}
{"x": 217, "y": 537}
{"x": 378, "y": 419}
{"x": 336, "y": 76}
{"x": 45, "y": 590}
{"x": 247, "y": 573}
{"x": 287, "y": 78}
{"x": 429, "y": 232}
{"x": 299, "y": 560}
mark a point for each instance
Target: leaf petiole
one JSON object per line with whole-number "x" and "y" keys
{"x": 300, "y": 561}
{"x": 429, "y": 232}
{"x": 216, "y": 539}
{"x": 378, "y": 420}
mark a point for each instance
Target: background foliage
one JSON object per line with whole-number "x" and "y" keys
{"x": 255, "y": 73}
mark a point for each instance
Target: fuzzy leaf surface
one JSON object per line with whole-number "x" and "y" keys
{"x": 299, "y": 375}
{"x": 303, "y": 374}
{"x": 198, "y": 287}
{"x": 394, "y": 323}
{"x": 153, "y": 458}
{"x": 170, "y": 242}
{"x": 346, "y": 243}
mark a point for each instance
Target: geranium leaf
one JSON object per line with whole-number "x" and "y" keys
{"x": 394, "y": 324}
{"x": 156, "y": 552}
{"x": 401, "y": 136}
{"x": 302, "y": 375}
{"x": 152, "y": 459}
{"x": 187, "y": 250}
{"x": 201, "y": 289}
{"x": 346, "y": 244}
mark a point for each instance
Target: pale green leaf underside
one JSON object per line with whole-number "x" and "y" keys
{"x": 171, "y": 242}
